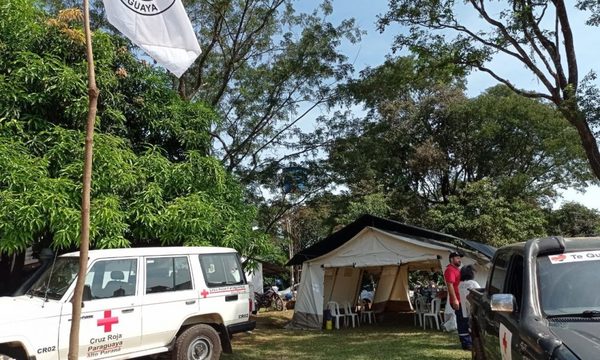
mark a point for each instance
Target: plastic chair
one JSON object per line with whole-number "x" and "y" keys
{"x": 419, "y": 310}
{"x": 433, "y": 314}
{"x": 352, "y": 315}
{"x": 367, "y": 315}
{"x": 334, "y": 309}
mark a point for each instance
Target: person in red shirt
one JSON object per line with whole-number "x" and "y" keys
{"x": 452, "y": 278}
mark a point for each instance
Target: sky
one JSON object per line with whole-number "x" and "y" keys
{"x": 374, "y": 46}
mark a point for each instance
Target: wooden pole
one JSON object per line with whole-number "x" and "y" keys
{"x": 84, "y": 242}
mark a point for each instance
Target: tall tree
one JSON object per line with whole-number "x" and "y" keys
{"x": 536, "y": 34}
{"x": 264, "y": 67}
{"x": 141, "y": 194}
{"x": 428, "y": 139}
{"x": 426, "y": 149}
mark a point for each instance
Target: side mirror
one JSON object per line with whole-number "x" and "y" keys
{"x": 503, "y": 303}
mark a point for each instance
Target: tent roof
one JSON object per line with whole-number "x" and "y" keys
{"x": 348, "y": 232}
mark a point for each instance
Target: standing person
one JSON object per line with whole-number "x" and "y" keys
{"x": 467, "y": 274}
{"x": 452, "y": 277}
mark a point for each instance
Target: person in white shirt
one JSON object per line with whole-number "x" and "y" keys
{"x": 467, "y": 274}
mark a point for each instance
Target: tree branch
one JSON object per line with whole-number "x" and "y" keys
{"x": 290, "y": 206}
{"x": 569, "y": 45}
{"x": 529, "y": 94}
{"x": 264, "y": 121}
{"x": 285, "y": 128}
{"x": 526, "y": 59}
{"x": 216, "y": 29}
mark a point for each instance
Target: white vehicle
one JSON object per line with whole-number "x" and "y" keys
{"x": 137, "y": 302}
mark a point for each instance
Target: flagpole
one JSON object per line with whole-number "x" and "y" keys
{"x": 84, "y": 243}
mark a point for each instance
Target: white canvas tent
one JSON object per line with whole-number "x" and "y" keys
{"x": 335, "y": 275}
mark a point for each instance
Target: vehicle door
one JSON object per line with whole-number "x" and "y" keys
{"x": 111, "y": 313}
{"x": 225, "y": 288}
{"x": 509, "y": 342}
{"x": 170, "y": 298}
{"x": 491, "y": 328}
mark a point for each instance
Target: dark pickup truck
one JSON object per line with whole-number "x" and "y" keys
{"x": 541, "y": 301}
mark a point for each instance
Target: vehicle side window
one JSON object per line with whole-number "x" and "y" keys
{"x": 496, "y": 283}
{"x": 514, "y": 282}
{"x": 221, "y": 269}
{"x": 111, "y": 278}
{"x": 167, "y": 274}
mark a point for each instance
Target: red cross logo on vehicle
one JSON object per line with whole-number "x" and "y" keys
{"x": 204, "y": 293}
{"x": 560, "y": 257}
{"x": 108, "y": 321}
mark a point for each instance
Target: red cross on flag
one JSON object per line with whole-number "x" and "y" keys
{"x": 160, "y": 27}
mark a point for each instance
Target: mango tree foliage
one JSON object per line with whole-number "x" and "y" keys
{"x": 152, "y": 183}
{"x": 265, "y": 68}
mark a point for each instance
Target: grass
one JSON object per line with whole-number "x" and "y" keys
{"x": 390, "y": 340}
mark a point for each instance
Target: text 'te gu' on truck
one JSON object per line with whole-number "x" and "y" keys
{"x": 541, "y": 301}
{"x": 136, "y": 302}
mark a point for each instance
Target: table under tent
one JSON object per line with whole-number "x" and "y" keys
{"x": 332, "y": 269}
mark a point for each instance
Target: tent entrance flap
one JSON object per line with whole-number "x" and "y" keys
{"x": 341, "y": 285}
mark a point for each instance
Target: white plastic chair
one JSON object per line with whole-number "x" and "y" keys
{"x": 433, "y": 314}
{"x": 420, "y": 310}
{"x": 334, "y": 310}
{"x": 367, "y": 314}
{"x": 352, "y": 315}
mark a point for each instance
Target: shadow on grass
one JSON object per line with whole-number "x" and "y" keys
{"x": 381, "y": 341}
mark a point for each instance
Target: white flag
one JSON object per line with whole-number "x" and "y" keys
{"x": 160, "y": 27}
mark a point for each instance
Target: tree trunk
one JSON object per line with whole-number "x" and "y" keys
{"x": 588, "y": 141}
{"x": 84, "y": 242}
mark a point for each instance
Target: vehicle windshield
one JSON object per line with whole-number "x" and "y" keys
{"x": 55, "y": 281}
{"x": 568, "y": 283}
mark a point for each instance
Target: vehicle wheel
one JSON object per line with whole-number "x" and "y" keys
{"x": 12, "y": 353}
{"x": 278, "y": 304}
{"x": 198, "y": 342}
